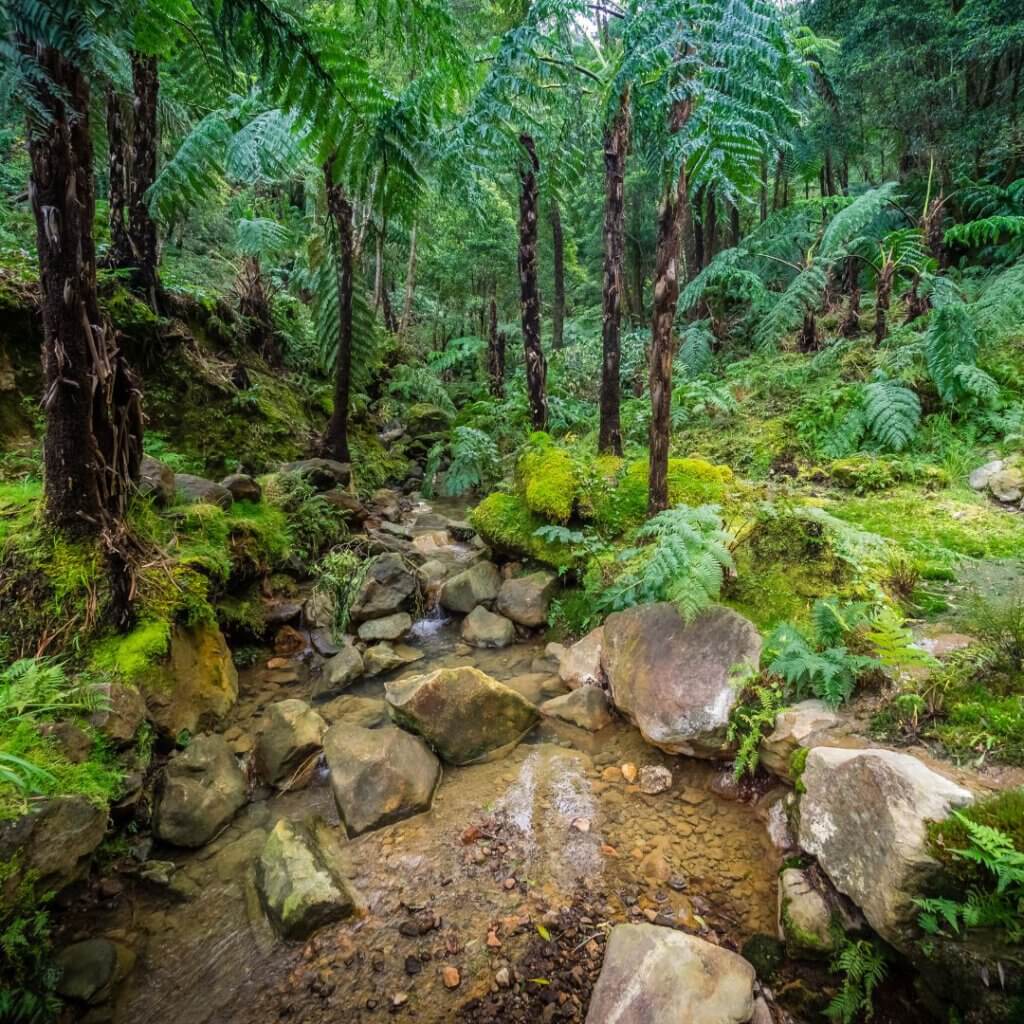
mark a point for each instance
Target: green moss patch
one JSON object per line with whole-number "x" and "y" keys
{"x": 506, "y": 523}
{"x": 549, "y": 480}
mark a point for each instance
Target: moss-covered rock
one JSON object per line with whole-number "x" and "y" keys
{"x": 549, "y": 479}
{"x": 505, "y": 522}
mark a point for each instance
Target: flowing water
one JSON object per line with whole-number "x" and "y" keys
{"x": 506, "y": 845}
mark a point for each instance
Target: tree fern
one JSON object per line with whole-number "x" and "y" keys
{"x": 853, "y": 220}
{"x": 802, "y": 295}
{"x": 685, "y": 562}
{"x": 987, "y": 231}
{"x": 894, "y": 643}
{"x": 892, "y": 414}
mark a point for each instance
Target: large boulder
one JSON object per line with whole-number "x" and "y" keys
{"x": 580, "y": 664}
{"x": 378, "y": 776}
{"x": 89, "y": 971}
{"x": 195, "y": 685}
{"x": 655, "y": 975}
{"x": 323, "y": 474}
{"x": 201, "y": 789}
{"x": 197, "y": 490}
{"x": 586, "y": 708}
{"x": 1007, "y": 485}
{"x": 391, "y": 627}
{"x": 156, "y": 480}
{"x": 291, "y": 738}
{"x": 298, "y": 883}
{"x": 339, "y": 672}
{"x": 478, "y": 584}
{"x": 802, "y": 725}
{"x": 864, "y": 815}
{"x": 386, "y": 589}
{"x": 53, "y": 842}
{"x": 526, "y": 599}
{"x": 979, "y": 478}
{"x": 481, "y": 628}
{"x": 122, "y": 710}
{"x": 675, "y": 680}
{"x": 464, "y": 714}
{"x": 423, "y": 418}
{"x": 242, "y": 487}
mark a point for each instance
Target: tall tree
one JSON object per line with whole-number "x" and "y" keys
{"x": 558, "y": 268}
{"x": 616, "y": 144}
{"x": 117, "y": 144}
{"x": 529, "y": 291}
{"x": 141, "y": 173}
{"x": 93, "y": 441}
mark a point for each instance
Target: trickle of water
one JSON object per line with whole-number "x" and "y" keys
{"x": 429, "y": 627}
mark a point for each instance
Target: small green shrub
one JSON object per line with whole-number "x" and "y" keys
{"x": 751, "y": 720}
{"x": 863, "y": 967}
{"x": 339, "y": 575}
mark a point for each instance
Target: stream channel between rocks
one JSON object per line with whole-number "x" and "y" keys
{"x": 550, "y": 840}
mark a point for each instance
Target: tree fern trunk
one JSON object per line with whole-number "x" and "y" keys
{"x": 536, "y": 368}
{"x": 120, "y": 253}
{"x": 558, "y": 253}
{"x": 883, "y": 295}
{"x": 808, "y": 340}
{"x": 142, "y": 174}
{"x": 495, "y": 352}
{"x": 410, "y": 285}
{"x": 851, "y": 285}
{"x": 616, "y": 142}
{"x": 340, "y": 211}
{"x": 666, "y": 298}
{"x": 93, "y": 439}
{"x": 390, "y": 321}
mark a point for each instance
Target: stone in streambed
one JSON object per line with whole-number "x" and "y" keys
{"x": 201, "y": 789}
{"x": 586, "y": 708}
{"x": 802, "y": 725}
{"x": 464, "y": 714}
{"x": 299, "y": 886}
{"x": 526, "y": 599}
{"x": 580, "y": 664}
{"x": 385, "y": 657}
{"x": 323, "y": 474}
{"x": 90, "y": 970}
{"x": 156, "y": 480}
{"x": 864, "y": 815}
{"x": 675, "y": 680}
{"x": 292, "y": 737}
{"x": 386, "y": 589}
{"x": 391, "y": 627}
{"x": 656, "y": 975}
{"x": 536, "y": 687}
{"x": 1007, "y": 485}
{"x": 121, "y": 712}
{"x": 476, "y": 585}
{"x": 805, "y": 920}
{"x": 482, "y": 628}
{"x": 378, "y": 776}
{"x": 368, "y": 712}
{"x": 339, "y": 672}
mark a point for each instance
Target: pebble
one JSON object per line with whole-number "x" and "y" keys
{"x": 493, "y": 942}
{"x": 581, "y": 824}
{"x": 629, "y": 771}
{"x": 503, "y": 978}
{"x": 412, "y": 965}
{"x": 399, "y": 999}
{"x": 611, "y": 774}
{"x": 654, "y": 779}
{"x": 451, "y": 977}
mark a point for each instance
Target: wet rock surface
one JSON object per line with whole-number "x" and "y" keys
{"x": 675, "y": 680}
{"x": 482, "y": 628}
{"x": 463, "y": 713}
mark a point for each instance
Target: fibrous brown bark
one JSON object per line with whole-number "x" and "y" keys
{"x": 851, "y": 285}
{"x": 616, "y": 142}
{"x": 666, "y": 297}
{"x": 254, "y": 307}
{"x": 883, "y": 295}
{"x": 808, "y": 340}
{"x": 93, "y": 439}
{"x": 120, "y": 253}
{"x": 558, "y": 260}
{"x": 495, "y": 352}
{"x": 410, "y": 285}
{"x": 339, "y": 209}
{"x": 142, "y": 174}
{"x": 536, "y": 367}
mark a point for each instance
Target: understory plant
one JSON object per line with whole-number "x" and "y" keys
{"x": 339, "y": 576}
{"x": 752, "y": 719}
{"x": 863, "y": 967}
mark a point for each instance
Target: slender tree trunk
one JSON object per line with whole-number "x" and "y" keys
{"x": 779, "y": 198}
{"x": 764, "y": 188}
{"x": 691, "y": 238}
{"x": 495, "y": 352}
{"x": 917, "y": 304}
{"x": 851, "y": 282}
{"x": 558, "y": 252}
{"x": 254, "y": 306}
{"x": 616, "y": 144}
{"x": 378, "y": 270}
{"x": 536, "y": 367}
{"x": 711, "y": 228}
{"x": 410, "y": 285}
{"x": 142, "y": 174}
{"x": 666, "y": 296}
{"x": 637, "y": 291}
{"x": 883, "y": 295}
{"x": 93, "y": 440}
{"x": 734, "y": 224}
{"x": 933, "y": 233}
{"x": 120, "y": 254}
{"x": 339, "y": 208}
{"x": 390, "y": 321}
{"x": 698, "y": 230}
{"x": 808, "y": 340}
